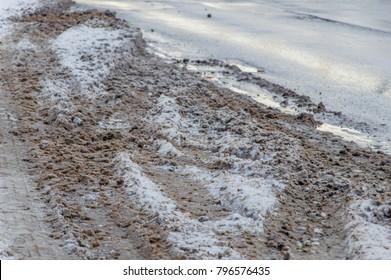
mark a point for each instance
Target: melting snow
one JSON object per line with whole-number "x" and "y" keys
{"x": 167, "y": 149}
{"x": 369, "y": 238}
{"x": 250, "y": 197}
{"x": 188, "y": 235}
{"x": 15, "y": 7}
{"x": 83, "y": 50}
{"x": 169, "y": 119}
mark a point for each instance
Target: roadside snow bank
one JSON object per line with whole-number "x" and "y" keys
{"x": 370, "y": 230}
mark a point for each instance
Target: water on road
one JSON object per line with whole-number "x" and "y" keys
{"x": 337, "y": 52}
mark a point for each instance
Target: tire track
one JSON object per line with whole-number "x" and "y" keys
{"x": 24, "y": 235}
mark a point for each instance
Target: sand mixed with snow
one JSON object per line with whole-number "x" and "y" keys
{"x": 133, "y": 157}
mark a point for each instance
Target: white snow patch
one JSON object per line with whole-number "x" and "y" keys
{"x": 252, "y": 198}
{"x": 85, "y": 51}
{"x": 246, "y": 148}
{"x": 370, "y": 231}
{"x": 169, "y": 119}
{"x": 167, "y": 149}
{"x": 188, "y": 235}
{"x": 5, "y": 29}
{"x": 15, "y": 7}
{"x": 56, "y": 90}
{"x": 10, "y": 8}
{"x": 26, "y": 45}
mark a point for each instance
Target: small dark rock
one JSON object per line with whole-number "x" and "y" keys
{"x": 203, "y": 219}
{"x": 109, "y": 13}
{"x": 209, "y": 15}
{"x": 387, "y": 212}
{"x": 321, "y": 107}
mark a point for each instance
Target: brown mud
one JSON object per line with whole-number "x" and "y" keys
{"x": 71, "y": 154}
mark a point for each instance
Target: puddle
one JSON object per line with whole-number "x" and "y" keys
{"x": 354, "y": 81}
{"x": 356, "y": 136}
{"x": 217, "y": 75}
{"x": 265, "y": 97}
{"x": 260, "y": 95}
{"x": 348, "y": 134}
{"x": 243, "y": 66}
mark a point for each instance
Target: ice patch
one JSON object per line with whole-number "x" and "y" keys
{"x": 370, "y": 230}
{"x": 347, "y": 134}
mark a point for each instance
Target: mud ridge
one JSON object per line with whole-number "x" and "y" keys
{"x": 136, "y": 158}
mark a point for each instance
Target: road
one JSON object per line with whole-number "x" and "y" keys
{"x": 336, "y": 52}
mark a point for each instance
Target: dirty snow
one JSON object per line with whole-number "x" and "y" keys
{"x": 245, "y": 187}
{"x": 15, "y": 7}
{"x": 249, "y": 197}
{"x": 10, "y": 8}
{"x": 244, "y": 153}
{"x": 167, "y": 149}
{"x": 188, "y": 234}
{"x": 169, "y": 119}
{"x": 370, "y": 236}
{"x": 182, "y": 130}
{"x": 26, "y": 45}
{"x": 83, "y": 49}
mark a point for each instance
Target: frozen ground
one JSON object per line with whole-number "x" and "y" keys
{"x": 336, "y": 52}
{"x": 24, "y": 234}
{"x": 131, "y": 157}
